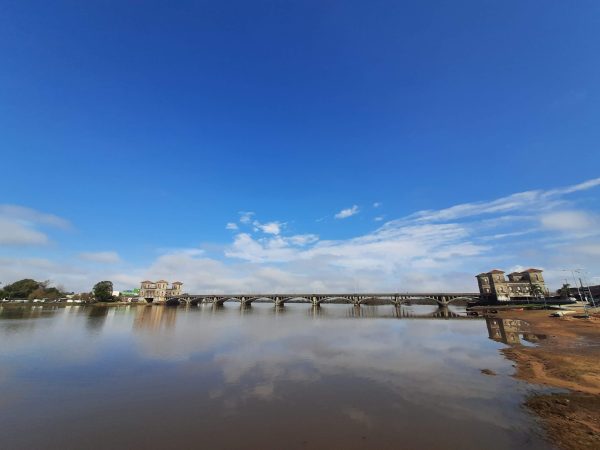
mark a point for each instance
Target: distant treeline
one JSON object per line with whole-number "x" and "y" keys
{"x": 31, "y": 289}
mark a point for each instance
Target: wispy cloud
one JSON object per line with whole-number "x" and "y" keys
{"x": 377, "y": 204}
{"x": 348, "y": 212}
{"x": 427, "y": 250}
{"x": 570, "y": 221}
{"x": 231, "y": 226}
{"x": 246, "y": 216}
{"x": 20, "y": 225}
{"x": 29, "y": 215}
{"x": 101, "y": 257}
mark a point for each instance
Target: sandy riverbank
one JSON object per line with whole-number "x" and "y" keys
{"x": 569, "y": 358}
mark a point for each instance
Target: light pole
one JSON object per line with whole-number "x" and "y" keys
{"x": 583, "y": 274}
{"x": 574, "y": 281}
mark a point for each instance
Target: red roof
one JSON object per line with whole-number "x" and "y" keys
{"x": 532, "y": 270}
{"x": 162, "y": 281}
{"x": 496, "y": 271}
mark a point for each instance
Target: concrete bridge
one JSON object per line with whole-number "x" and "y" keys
{"x": 442, "y": 299}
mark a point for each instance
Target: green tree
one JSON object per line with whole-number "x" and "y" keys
{"x": 537, "y": 291}
{"x": 29, "y": 288}
{"x": 564, "y": 291}
{"x": 103, "y": 291}
{"x": 22, "y": 288}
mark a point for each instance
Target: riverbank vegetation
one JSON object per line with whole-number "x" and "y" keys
{"x": 30, "y": 289}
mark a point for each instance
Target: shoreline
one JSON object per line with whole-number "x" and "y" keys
{"x": 567, "y": 359}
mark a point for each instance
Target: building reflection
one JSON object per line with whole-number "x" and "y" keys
{"x": 154, "y": 317}
{"x": 504, "y": 330}
{"x": 510, "y": 331}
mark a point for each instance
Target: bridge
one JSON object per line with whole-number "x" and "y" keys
{"x": 442, "y": 299}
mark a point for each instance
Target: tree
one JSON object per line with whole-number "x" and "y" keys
{"x": 21, "y": 289}
{"x": 537, "y": 291}
{"x": 564, "y": 291}
{"x": 38, "y": 293}
{"x": 103, "y": 291}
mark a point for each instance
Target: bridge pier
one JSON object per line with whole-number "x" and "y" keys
{"x": 442, "y": 301}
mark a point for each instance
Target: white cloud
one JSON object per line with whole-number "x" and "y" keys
{"x": 101, "y": 257}
{"x": 268, "y": 228}
{"x": 29, "y": 215}
{"x": 303, "y": 239}
{"x": 376, "y": 204}
{"x": 231, "y": 226}
{"x": 15, "y": 233}
{"x": 379, "y": 218}
{"x": 568, "y": 221}
{"x": 246, "y": 216}
{"x": 428, "y": 250}
{"x": 20, "y": 225}
{"x": 345, "y": 213}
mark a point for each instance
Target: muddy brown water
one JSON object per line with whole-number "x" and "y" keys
{"x": 336, "y": 377}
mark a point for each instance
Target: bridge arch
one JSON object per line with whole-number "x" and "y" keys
{"x": 283, "y": 300}
{"x": 325, "y": 299}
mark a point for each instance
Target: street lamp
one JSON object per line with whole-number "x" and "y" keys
{"x": 574, "y": 281}
{"x": 583, "y": 273}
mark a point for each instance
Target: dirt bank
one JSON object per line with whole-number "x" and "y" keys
{"x": 568, "y": 357}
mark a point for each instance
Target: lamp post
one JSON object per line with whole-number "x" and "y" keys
{"x": 574, "y": 281}
{"x": 583, "y": 274}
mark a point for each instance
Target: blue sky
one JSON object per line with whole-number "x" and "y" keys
{"x": 132, "y": 134}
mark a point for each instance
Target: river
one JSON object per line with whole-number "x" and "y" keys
{"x": 333, "y": 377}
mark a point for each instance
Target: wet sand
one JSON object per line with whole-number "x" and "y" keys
{"x": 569, "y": 358}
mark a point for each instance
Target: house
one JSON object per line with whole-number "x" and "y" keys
{"x": 493, "y": 285}
{"x": 159, "y": 291}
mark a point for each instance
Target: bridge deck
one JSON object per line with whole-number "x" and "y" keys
{"x": 356, "y": 298}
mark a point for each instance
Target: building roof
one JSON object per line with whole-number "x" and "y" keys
{"x": 162, "y": 281}
{"x": 516, "y": 273}
{"x": 496, "y": 271}
{"x": 532, "y": 270}
{"x": 177, "y": 282}
{"x": 482, "y": 274}
{"x": 147, "y": 281}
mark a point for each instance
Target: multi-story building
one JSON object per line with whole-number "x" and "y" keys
{"x": 493, "y": 285}
{"x": 159, "y": 291}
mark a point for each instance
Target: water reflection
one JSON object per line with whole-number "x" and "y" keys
{"x": 355, "y": 378}
{"x": 509, "y": 331}
{"x": 96, "y": 317}
{"x": 152, "y": 317}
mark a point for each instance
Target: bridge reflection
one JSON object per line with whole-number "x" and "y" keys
{"x": 158, "y": 316}
{"x": 354, "y": 311}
